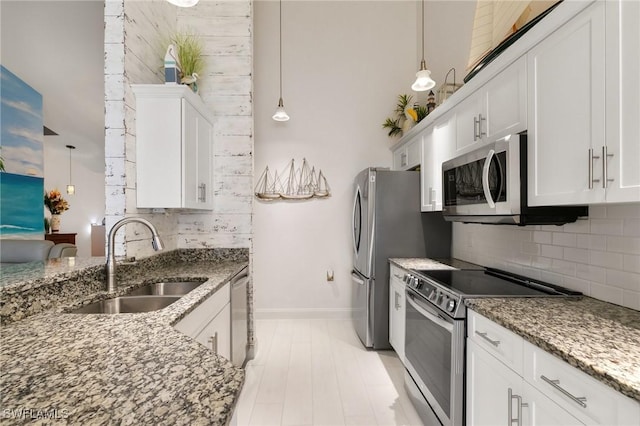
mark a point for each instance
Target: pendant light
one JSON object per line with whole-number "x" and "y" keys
{"x": 423, "y": 77}
{"x": 183, "y": 3}
{"x": 281, "y": 114}
{"x": 71, "y": 188}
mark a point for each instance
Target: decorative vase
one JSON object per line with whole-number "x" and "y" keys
{"x": 55, "y": 223}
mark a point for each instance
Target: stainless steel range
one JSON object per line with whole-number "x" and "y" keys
{"x": 435, "y": 332}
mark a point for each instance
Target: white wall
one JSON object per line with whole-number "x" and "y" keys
{"x": 87, "y": 204}
{"x": 599, "y": 257}
{"x": 344, "y": 63}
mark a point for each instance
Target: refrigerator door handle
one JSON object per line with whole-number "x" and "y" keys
{"x": 353, "y": 221}
{"x": 356, "y": 279}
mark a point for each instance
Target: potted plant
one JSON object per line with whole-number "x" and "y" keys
{"x": 56, "y": 204}
{"x": 189, "y": 50}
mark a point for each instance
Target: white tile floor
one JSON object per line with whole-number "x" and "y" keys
{"x": 316, "y": 372}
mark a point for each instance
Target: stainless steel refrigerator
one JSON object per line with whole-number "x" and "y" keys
{"x": 387, "y": 223}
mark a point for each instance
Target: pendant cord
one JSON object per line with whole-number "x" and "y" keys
{"x": 422, "y": 30}
{"x": 280, "y": 49}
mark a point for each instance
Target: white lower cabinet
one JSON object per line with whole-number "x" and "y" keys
{"x": 589, "y": 400}
{"x": 510, "y": 381}
{"x": 488, "y": 385}
{"x": 397, "y": 311}
{"x": 216, "y": 334}
{"x": 540, "y": 410}
{"x": 210, "y": 323}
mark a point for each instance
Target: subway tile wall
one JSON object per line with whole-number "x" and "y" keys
{"x": 599, "y": 256}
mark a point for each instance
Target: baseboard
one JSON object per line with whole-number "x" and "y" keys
{"x": 319, "y": 313}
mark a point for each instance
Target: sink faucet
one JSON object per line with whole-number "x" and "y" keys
{"x": 156, "y": 242}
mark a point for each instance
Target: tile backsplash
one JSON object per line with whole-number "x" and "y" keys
{"x": 599, "y": 256}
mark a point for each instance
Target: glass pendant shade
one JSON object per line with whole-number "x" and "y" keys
{"x": 183, "y": 3}
{"x": 423, "y": 79}
{"x": 71, "y": 189}
{"x": 281, "y": 114}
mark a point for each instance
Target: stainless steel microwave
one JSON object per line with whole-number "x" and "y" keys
{"x": 489, "y": 185}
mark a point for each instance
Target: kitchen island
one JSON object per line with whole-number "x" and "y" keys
{"x": 124, "y": 368}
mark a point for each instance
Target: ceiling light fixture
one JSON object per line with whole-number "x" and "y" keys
{"x": 71, "y": 189}
{"x": 281, "y": 114}
{"x": 423, "y": 77}
{"x": 183, "y": 3}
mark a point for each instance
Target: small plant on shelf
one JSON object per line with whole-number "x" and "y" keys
{"x": 407, "y": 116}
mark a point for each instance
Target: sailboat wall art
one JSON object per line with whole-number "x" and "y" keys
{"x": 21, "y": 159}
{"x": 302, "y": 183}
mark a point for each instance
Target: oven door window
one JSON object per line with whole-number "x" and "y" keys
{"x": 463, "y": 184}
{"x": 428, "y": 349}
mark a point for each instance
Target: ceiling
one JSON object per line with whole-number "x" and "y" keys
{"x": 57, "y": 47}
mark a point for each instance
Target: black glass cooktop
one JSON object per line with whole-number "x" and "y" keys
{"x": 478, "y": 283}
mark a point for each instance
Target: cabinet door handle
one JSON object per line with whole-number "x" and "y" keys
{"x": 605, "y": 171}
{"x": 203, "y": 192}
{"x": 214, "y": 342}
{"x": 480, "y": 120}
{"x": 580, "y": 400}
{"x": 591, "y": 158}
{"x": 476, "y": 124}
{"x": 518, "y": 398}
{"x": 396, "y": 300}
{"x": 403, "y": 159}
{"x": 495, "y": 343}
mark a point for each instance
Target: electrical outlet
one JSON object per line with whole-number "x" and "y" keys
{"x": 329, "y": 274}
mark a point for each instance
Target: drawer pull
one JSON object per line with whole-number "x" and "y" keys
{"x": 398, "y": 276}
{"x": 495, "y": 343}
{"x": 580, "y": 400}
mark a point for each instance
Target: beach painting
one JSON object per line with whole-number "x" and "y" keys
{"x": 21, "y": 159}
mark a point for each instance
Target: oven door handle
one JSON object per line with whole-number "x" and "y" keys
{"x": 485, "y": 179}
{"x": 422, "y": 310}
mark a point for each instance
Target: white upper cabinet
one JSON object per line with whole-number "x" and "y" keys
{"x": 566, "y": 114}
{"x": 505, "y": 102}
{"x": 623, "y": 100}
{"x": 174, "y": 148}
{"x": 497, "y": 109}
{"x": 438, "y": 146}
{"x": 409, "y": 155}
{"x": 583, "y": 118}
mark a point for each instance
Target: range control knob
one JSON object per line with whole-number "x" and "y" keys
{"x": 432, "y": 295}
{"x": 451, "y": 306}
{"x": 417, "y": 283}
{"x": 406, "y": 278}
{"x": 440, "y": 297}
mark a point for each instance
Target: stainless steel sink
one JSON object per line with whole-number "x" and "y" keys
{"x": 127, "y": 305}
{"x": 176, "y": 288}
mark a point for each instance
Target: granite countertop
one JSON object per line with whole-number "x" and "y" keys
{"x": 93, "y": 369}
{"x": 599, "y": 338}
{"x": 424, "y": 263}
